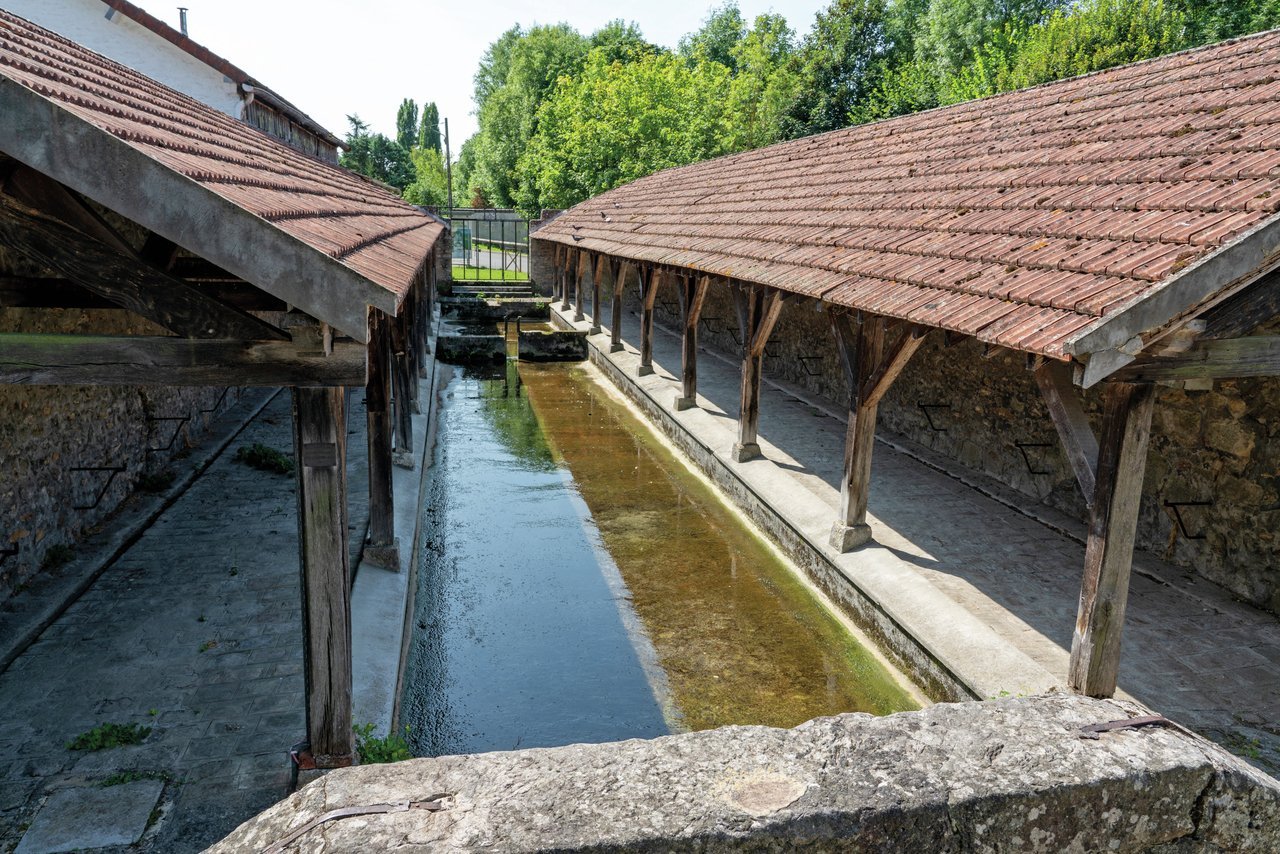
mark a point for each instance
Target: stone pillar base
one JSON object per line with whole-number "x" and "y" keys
{"x": 616, "y": 348}
{"x": 595, "y": 329}
{"x": 683, "y": 403}
{"x": 644, "y": 370}
{"x": 749, "y": 451}
{"x": 848, "y": 537}
{"x": 386, "y": 556}
{"x": 403, "y": 459}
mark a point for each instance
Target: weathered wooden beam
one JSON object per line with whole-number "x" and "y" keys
{"x": 1078, "y": 440}
{"x": 584, "y": 266}
{"x": 114, "y": 275}
{"x": 1122, "y": 461}
{"x": 71, "y": 150}
{"x": 382, "y": 548}
{"x": 888, "y": 369}
{"x": 598, "y": 267}
{"x": 693, "y": 294}
{"x": 402, "y": 382}
{"x": 759, "y": 311}
{"x": 1245, "y": 312}
{"x": 650, "y": 281}
{"x": 41, "y": 292}
{"x": 620, "y": 268}
{"x": 571, "y": 277}
{"x": 122, "y": 360}
{"x": 1224, "y": 358}
{"x": 860, "y": 341}
{"x": 320, "y": 452}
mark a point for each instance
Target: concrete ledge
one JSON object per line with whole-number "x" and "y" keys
{"x": 1009, "y": 776}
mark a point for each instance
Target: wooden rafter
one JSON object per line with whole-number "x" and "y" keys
{"x": 111, "y": 273}
{"x": 1069, "y": 419}
{"x": 1225, "y": 358}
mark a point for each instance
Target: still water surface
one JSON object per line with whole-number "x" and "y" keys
{"x": 579, "y": 584}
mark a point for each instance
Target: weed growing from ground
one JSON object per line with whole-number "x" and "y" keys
{"x": 157, "y": 482}
{"x": 57, "y": 556}
{"x": 105, "y": 736}
{"x": 264, "y": 458}
{"x": 374, "y": 750}
{"x": 208, "y": 645}
{"x": 132, "y": 777}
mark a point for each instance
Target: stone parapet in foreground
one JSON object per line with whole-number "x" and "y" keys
{"x": 1014, "y": 775}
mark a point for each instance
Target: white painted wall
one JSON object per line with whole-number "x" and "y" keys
{"x": 131, "y": 44}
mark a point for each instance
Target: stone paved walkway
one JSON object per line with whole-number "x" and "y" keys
{"x": 194, "y": 632}
{"x": 1190, "y": 650}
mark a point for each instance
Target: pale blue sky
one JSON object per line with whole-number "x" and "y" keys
{"x": 333, "y": 57}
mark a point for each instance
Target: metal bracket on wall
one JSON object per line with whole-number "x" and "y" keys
{"x": 735, "y": 335}
{"x": 1026, "y": 458}
{"x": 770, "y": 350}
{"x": 1175, "y": 508}
{"x": 12, "y": 551}
{"x": 713, "y": 324}
{"x": 111, "y": 471}
{"x": 181, "y": 420}
{"x": 804, "y": 363}
{"x": 217, "y": 404}
{"x": 926, "y": 407}
{"x": 669, "y": 306}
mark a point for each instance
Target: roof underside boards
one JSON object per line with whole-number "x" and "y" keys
{"x": 349, "y": 220}
{"x": 1028, "y": 220}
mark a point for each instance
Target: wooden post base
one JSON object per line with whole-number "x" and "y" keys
{"x": 748, "y": 451}
{"x": 386, "y": 555}
{"x": 846, "y": 538}
{"x": 403, "y": 459}
{"x": 683, "y": 403}
{"x": 644, "y": 370}
{"x": 616, "y": 348}
{"x": 595, "y": 329}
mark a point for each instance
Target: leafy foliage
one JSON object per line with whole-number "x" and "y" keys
{"x": 264, "y": 458}
{"x": 429, "y": 131}
{"x": 407, "y": 123}
{"x": 375, "y": 156}
{"x": 374, "y": 750}
{"x": 105, "y": 736}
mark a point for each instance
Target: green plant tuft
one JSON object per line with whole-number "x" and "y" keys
{"x": 374, "y": 750}
{"x": 158, "y": 482}
{"x": 264, "y": 458}
{"x": 104, "y": 736}
{"x": 119, "y": 779}
{"x": 56, "y": 556}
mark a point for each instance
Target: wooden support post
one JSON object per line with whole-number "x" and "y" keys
{"x": 557, "y": 264}
{"x": 402, "y": 382}
{"x": 650, "y": 281}
{"x": 620, "y": 268}
{"x": 1113, "y": 523}
{"x": 320, "y": 449}
{"x": 870, "y": 372}
{"x": 584, "y": 261}
{"x": 758, "y": 310}
{"x": 1081, "y": 446}
{"x": 693, "y": 294}
{"x": 571, "y": 276}
{"x": 596, "y": 273}
{"x": 383, "y": 548}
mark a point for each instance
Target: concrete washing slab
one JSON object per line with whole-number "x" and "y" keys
{"x": 92, "y": 817}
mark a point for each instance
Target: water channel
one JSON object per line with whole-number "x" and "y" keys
{"x": 580, "y": 584}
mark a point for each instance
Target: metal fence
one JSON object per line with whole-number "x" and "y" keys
{"x": 490, "y": 244}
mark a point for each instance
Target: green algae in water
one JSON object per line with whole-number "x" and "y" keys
{"x": 741, "y": 639}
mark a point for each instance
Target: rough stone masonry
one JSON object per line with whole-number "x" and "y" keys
{"x": 1015, "y": 775}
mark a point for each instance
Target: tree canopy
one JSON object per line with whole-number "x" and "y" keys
{"x": 564, "y": 116}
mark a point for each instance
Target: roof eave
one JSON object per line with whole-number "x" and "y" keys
{"x": 73, "y": 151}
{"x": 1192, "y": 290}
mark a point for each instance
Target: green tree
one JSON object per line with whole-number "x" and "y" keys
{"x": 1215, "y": 20}
{"x": 622, "y": 41}
{"x": 718, "y": 38}
{"x": 376, "y": 156}
{"x": 615, "y": 122}
{"x": 407, "y": 123}
{"x": 430, "y": 183}
{"x": 508, "y": 111}
{"x": 952, "y": 32}
{"x": 765, "y": 84}
{"x": 841, "y": 62}
{"x": 429, "y": 130}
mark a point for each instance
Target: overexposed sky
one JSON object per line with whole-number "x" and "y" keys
{"x": 334, "y": 57}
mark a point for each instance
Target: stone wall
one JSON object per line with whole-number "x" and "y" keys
{"x": 50, "y": 435}
{"x": 542, "y": 271}
{"x": 999, "y": 776}
{"x": 1221, "y": 447}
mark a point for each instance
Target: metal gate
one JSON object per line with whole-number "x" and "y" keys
{"x": 490, "y": 244}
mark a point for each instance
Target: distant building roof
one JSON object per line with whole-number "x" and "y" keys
{"x": 248, "y": 85}
{"x": 160, "y": 157}
{"x": 1058, "y": 220}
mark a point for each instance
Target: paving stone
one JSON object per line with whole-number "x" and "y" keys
{"x": 92, "y": 817}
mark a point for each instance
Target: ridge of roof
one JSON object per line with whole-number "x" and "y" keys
{"x": 1033, "y": 219}
{"x": 230, "y": 70}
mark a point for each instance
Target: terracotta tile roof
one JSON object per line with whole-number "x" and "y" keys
{"x": 1027, "y": 219}
{"x": 332, "y": 210}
